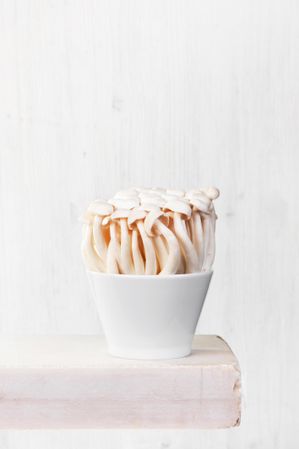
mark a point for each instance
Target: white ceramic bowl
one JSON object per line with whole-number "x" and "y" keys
{"x": 149, "y": 317}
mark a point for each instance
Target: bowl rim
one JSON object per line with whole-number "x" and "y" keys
{"x": 151, "y": 277}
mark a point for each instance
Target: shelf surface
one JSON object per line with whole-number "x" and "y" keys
{"x": 55, "y": 382}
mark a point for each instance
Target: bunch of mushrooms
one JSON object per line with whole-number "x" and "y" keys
{"x": 151, "y": 232}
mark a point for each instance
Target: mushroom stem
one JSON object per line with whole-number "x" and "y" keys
{"x": 161, "y": 251}
{"x": 189, "y": 229}
{"x": 113, "y": 251}
{"x": 209, "y": 223}
{"x": 181, "y": 269}
{"x": 137, "y": 256}
{"x": 99, "y": 240}
{"x": 173, "y": 260}
{"x": 150, "y": 255}
{"x": 197, "y": 234}
{"x": 125, "y": 248}
{"x": 191, "y": 258}
{"x": 89, "y": 255}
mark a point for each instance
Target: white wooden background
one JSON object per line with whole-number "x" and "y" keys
{"x": 99, "y": 95}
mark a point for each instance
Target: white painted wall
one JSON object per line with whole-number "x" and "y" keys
{"x": 99, "y": 95}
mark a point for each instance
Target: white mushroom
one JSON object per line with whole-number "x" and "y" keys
{"x": 113, "y": 252}
{"x": 179, "y": 193}
{"x": 136, "y": 253}
{"x": 201, "y": 202}
{"x": 148, "y": 200}
{"x": 191, "y": 258}
{"x": 197, "y": 236}
{"x": 158, "y": 190}
{"x": 148, "y": 207}
{"x": 161, "y": 251}
{"x": 209, "y": 223}
{"x": 120, "y": 213}
{"x": 126, "y": 194}
{"x": 135, "y": 214}
{"x": 192, "y": 192}
{"x": 99, "y": 239}
{"x": 149, "y": 194}
{"x": 211, "y": 192}
{"x": 149, "y": 250}
{"x": 151, "y": 231}
{"x": 182, "y": 265}
{"x": 170, "y": 197}
{"x": 189, "y": 229}
{"x": 179, "y": 206}
{"x": 125, "y": 261}
{"x": 100, "y": 207}
{"x": 121, "y": 203}
{"x": 173, "y": 247}
{"x": 150, "y": 219}
{"x": 90, "y": 257}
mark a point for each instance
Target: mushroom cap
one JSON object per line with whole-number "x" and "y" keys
{"x": 200, "y": 201}
{"x": 106, "y": 221}
{"x": 199, "y": 205}
{"x": 100, "y": 207}
{"x": 179, "y": 193}
{"x": 148, "y": 207}
{"x": 149, "y": 194}
{"x": 124, "y": 203}
{"x": 169, "y": 197}
{"x": 179, "y": 206}
{"x": 150, "y": 219}
{"x": 211, "y": 192}
{"x": 191, "y": 192}
{"x": 126, "y": 194}
{"x": 135, "y": 215}
{"x": 158, "y": 202}
{"x": 137, "y": 189}
{"x": 120, "y": 213}
{"x": 158, "y": 190}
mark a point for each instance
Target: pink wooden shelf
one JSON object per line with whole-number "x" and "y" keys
{"x": 59, "y": 382}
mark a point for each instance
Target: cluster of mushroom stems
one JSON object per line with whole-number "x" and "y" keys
{"x": 151, "y": 232}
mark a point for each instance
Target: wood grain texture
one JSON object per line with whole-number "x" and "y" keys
{"x": 98, "y": 95}
{"x": 70, "y": 382}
